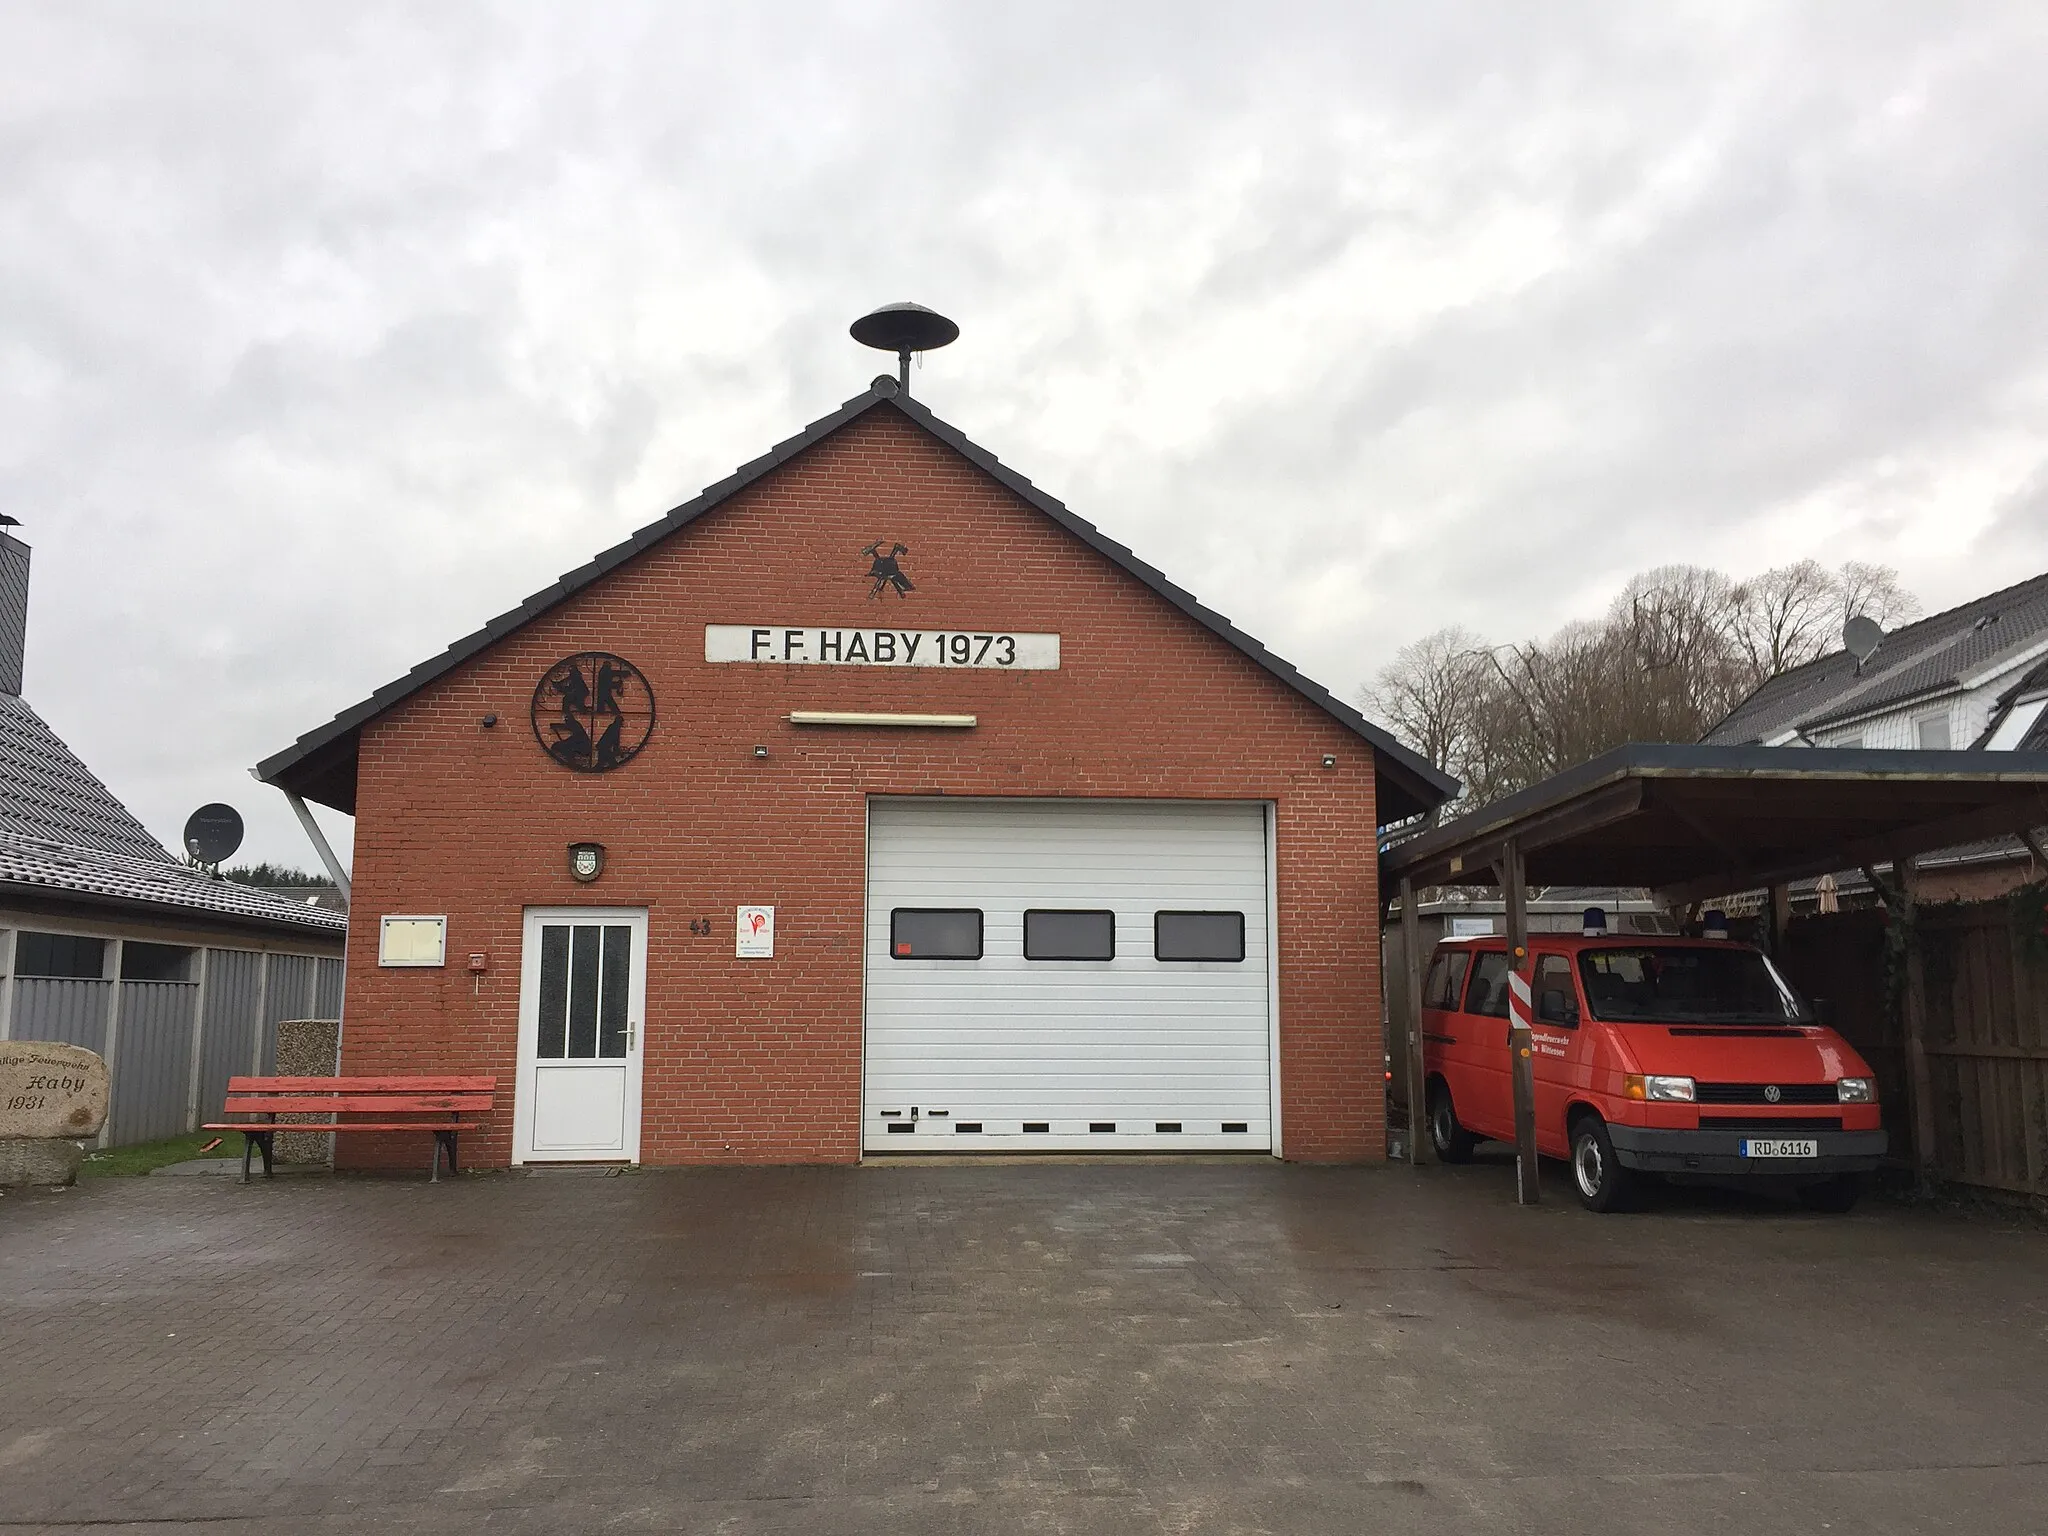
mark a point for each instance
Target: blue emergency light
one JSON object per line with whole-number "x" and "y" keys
{"x": 1593, "y": 922}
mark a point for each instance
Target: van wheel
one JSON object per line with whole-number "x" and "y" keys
{"x": 1836, "y": 1196}
{"x": 1453, "y": 1143}
{"x": 1598, "y": 1178}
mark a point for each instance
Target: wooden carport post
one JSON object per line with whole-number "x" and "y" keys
{"x": 1419, "y": 1148}
{"x": 1917, "y": 1077}
{"x": 1521, "y": 1040}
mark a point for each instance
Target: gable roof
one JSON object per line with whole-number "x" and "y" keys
{"x": 46, "y": 792}
{"x": 34, "y": 870}
{"x": 321, "y": 765}
{"x": 65, "y": 837}
{"x": 1928, "y": 658}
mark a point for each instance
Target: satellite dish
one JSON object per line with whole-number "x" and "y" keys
{"x": 904, "y": 329}
{"x": 1861, "y": 637}
{"x": 213, "y": 832}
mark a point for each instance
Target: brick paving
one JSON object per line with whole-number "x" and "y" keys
{"x": 1142, "y": 1347}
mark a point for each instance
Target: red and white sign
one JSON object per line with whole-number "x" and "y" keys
{"x": 1520, "y": 1015}
{"x": 754, "y": 933}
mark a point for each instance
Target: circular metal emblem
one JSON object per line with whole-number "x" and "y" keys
{"x": 593, "y": 711}
{"x": 1772, "y": 1094}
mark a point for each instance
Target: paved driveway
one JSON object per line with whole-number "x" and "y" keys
{"x": 1132, "y": 1348}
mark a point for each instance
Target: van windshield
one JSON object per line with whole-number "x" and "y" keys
{"x": 1675, "y": 984}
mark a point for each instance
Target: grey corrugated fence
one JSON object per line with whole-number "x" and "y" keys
{"x": 173, "y": 1045}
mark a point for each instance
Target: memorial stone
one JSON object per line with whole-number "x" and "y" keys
{"x": 52, "y": 1097}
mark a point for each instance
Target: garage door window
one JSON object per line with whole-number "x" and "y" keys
{"x": 935, "y": 933}
{"x": 1069, "y": 935}
{"x": 1198, "y": 935}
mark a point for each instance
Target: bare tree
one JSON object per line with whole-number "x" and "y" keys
{"x": 1786, "y": 617}
{"x": 1876, "y": 592}
{"x": 1425, "y": 694}
{"x": 1679, "y": 648}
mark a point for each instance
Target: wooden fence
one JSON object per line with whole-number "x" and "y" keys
{"x": 1984, "y": 1032}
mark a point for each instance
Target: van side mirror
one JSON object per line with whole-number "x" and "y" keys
{"x": 1553, "y": 1007}
{"x": 1823, "y": 1011}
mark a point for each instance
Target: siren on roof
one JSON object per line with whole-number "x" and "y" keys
{"x": 1715, "y": 924}
{"x": 1593, "y": 923}
{"x": 904, "y": 329}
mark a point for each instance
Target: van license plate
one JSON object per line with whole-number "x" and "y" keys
{"x": 1756, "y": 1148}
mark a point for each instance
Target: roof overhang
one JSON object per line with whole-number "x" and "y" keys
{"x": 1695, "y": 821}
{"x": 321, "y": 765}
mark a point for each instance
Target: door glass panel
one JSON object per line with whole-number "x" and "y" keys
{"x": 554, "y": 992}
{"x": 583, "y": 977}
{"x": 611, "y": 1009}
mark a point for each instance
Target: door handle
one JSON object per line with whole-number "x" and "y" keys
{"x": 632, "y": 1034}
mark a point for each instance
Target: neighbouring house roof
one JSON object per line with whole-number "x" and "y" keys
{"x": 32, "y": 868}
{"x": 1934, "y": 656}
{"x": 321, "y": 765}
{"x": 64, "y": 836}
{"x": 46, "y": 792}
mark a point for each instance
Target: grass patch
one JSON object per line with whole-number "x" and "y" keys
{"x": 115, "y": 1162}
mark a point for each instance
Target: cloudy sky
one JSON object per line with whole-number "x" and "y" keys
{"x": 327, "y": 332}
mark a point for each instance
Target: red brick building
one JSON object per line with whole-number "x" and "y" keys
{"x": 872, "y": 801}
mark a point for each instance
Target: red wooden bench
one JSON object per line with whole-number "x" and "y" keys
{"x": 442, "y": 1105}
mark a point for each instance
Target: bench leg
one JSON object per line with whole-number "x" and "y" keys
{"x": 256, "y": 1141}
{"x": 444, "y": 1141}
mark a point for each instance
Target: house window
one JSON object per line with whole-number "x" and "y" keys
{"x": 935, "y": 933}
{"x": 156, "y": 962}
{"x": 1933, "y": 732}
{"x": 1198, "y": 935}
{"x": 60, "y": 954}
{"x": 1069, "y": 935}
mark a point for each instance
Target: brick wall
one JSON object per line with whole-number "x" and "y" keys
{"x": 760, "y": 1061}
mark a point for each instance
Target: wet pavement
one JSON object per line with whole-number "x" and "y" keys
{"x": 1133, "y": 1348}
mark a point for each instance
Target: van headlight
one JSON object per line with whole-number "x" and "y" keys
{"x": 1855, "y": 1090}
{"x": 1669, "y": 1090}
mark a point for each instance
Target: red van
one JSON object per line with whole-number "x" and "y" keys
{"x": 1652, "y": 1056}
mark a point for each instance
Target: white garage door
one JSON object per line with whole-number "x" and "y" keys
{"x": 987, "y": 1030}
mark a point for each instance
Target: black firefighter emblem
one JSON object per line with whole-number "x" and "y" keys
{"x": 593, "y": 711}
{"x": 885, "y": 568}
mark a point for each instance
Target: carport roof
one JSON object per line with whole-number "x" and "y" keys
{"x": 1697, "y": 821}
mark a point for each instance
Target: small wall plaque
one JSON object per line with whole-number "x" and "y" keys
{"x": 755, "y": 933}
{"x": 412, "y": 941}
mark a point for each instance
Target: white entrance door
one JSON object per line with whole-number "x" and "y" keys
{"x": 1067, "y": 975}
{"x": 582, "y": 999}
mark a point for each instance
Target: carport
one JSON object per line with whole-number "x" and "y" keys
{"x": 1693, "y": 822}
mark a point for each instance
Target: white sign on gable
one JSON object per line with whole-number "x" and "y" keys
{"x": 823, "y": 645}
{"x": 754, "y": 933}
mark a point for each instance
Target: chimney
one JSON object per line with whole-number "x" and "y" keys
{"x": 13, "y": 611}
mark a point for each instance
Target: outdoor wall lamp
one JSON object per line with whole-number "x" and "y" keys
{"x": 1329, "y": 759}
{"x": 586, "y": 861}
{"x": 761, "y": 752}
